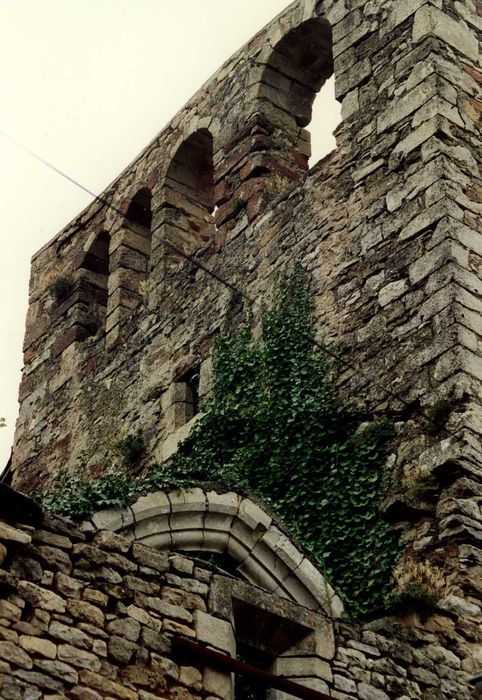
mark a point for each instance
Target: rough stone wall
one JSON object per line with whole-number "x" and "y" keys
{"x": 91, "y": 617}
{"x": 387, "y": 224}
{"x": 85, "y": 620}
{"x": 95, "y": 615}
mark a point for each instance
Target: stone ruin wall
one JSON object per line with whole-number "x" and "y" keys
{"x": 95, "y": 614}
{"x": 387, "y": 225}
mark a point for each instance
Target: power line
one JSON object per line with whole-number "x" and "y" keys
{"x": 108, "y": 204}
{"x": 178, "y": 251}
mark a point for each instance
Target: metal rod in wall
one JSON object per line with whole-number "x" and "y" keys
{"x": 199, "y": 653}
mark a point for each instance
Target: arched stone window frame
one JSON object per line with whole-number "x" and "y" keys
{"x": 184, "y": 216}
{"x": 282, "y": 589}
{"x": 197, "y": 519}
{"x": 86, "y": 305}
{"x": 130, "y": 252}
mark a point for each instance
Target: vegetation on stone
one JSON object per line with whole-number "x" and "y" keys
{"x": 276, "y": 426}
{"x": 419, "y": 587}
{"x": 60, "y": 288}
{"x": 131, "y": 448}
{"x": 75, "y": 495}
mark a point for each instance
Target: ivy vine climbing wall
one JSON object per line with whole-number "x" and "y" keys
{"x": 276, "y": 425}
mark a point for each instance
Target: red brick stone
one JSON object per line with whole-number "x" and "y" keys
{"x": 74, "y": 334}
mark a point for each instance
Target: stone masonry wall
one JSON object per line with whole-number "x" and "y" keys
{"x": 388, "y": 227}
{"x": 91, "y": 616}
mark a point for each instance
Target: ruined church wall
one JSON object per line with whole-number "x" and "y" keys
{"x": 388, "y": 226}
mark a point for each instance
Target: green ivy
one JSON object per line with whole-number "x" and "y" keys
{"x": 276, "y": 425}
{"x": 76, "y": 496}
{"x": 131, "y": 448}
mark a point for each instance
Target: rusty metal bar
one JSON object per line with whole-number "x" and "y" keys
{"x": 222, "y": 662}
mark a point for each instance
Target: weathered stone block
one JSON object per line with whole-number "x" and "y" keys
{"x": 11, "y": 653}
{"x": 34, "y": 645}
{"x": 12, "y": 534}
{"x": 215, "y": 632}
{"x": 40, "y": 597}
{"x": 86, "y": 611}
{"x": 431, "y": 21}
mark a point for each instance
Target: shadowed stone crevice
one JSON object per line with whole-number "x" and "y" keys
{"x": 17, "y": 508}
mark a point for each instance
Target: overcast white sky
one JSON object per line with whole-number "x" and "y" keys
{"x": 87, "y": 84}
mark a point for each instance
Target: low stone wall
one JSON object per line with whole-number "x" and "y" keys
{"x": 94, "y": 615}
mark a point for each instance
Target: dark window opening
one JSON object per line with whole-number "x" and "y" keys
{"x": 139, "y": 210}
{"x": 92, "y": 287}
{"x": 191, "y": 381}
{"x": 185, "y": 399}
{"x": 189, "y": 196}
{"x": 221, "y": 560}
{"x": 266, "y": 632}
{"x": 247, "y": 687}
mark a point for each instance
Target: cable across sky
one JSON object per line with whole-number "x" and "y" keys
{"x": 214, "y": 275}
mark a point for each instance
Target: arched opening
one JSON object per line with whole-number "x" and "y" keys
{"x": 295, "y": 71}
{"x": 187, "y": 213}
{"x": 298, "y": 67}
{"x": 139, "y": 210}
{"x": 93, "y": 285}
{"x": 273, "y": 148}
{"x": 130, "y": 251}
{"x": 132, "y": 248}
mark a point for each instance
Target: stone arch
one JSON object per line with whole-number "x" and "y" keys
{"x": 272, "y": 148}
{"x": 185, "y": 216}
{"x": 139, "y": 211}
{"x": 130, "y": 253}
{"x": 294, "y": 69}
{"x": 297, "y": 66}
{"x": 90, "y": 297}
{"x": 196, "y": 519}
